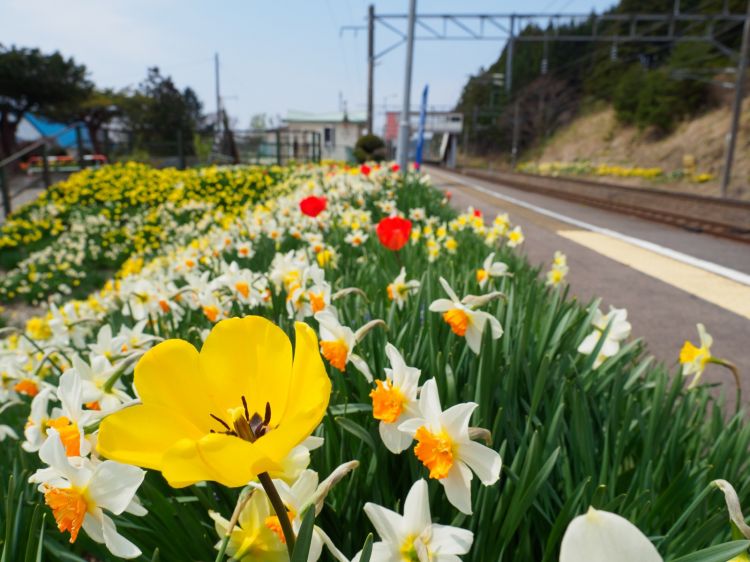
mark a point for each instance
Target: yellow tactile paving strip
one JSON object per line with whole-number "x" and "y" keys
{"x": 718, "y": 290}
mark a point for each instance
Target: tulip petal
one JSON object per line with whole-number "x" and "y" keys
{"x": 182, "y": 465}
{"x": 600, "y": 535}
{"x": 141, "y": 434}
{"x": 250, "y": 357}
{"x": 169, "y": 376}
{"x": 236, "y": 461}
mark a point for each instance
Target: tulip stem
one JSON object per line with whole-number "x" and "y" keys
{"x": 280, "y": 509}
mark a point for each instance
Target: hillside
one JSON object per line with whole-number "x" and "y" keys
{"x": 596, "y": 136}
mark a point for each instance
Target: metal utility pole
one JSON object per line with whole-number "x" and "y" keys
{"x": 509, "y": 55}
{"x": 218, "y": 96}
{"x": 370, "y": 64}
{"x": 403, "y": 126}
{"x": 516, "y": 128}
{"x": 736, "y": 106}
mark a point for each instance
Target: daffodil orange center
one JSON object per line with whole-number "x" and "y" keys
{"x": 69, "y": 435}
{"x": 458, "y": 320}
{"x": 481, "y": 275}
{"x": 27, "y": 387}
{"x": 68, "y": 507}
{"x": 317, "y": 302}
{"x": 272, "y": 522}
{"x": 211, "y": 312}
{"x": 336, "y": 351}
{"x": 435, "y": 450}
{"x": 164, "y": 305}
{"x": 387, "y": 402}
{"x": 242, "y": 288}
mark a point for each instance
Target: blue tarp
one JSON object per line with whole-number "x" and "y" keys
{"x": 49, "y": 128}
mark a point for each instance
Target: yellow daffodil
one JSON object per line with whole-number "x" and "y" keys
{"x": 226, "y": 414}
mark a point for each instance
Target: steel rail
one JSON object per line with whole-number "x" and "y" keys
{"x": 650, "y": 204}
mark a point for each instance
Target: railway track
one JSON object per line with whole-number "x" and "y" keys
{"x": 728, "y": 218}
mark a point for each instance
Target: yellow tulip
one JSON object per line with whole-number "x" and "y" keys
{"x": 226, "y": 414}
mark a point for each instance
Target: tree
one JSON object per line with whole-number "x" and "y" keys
{"x": 31, "y": 81}
{"x": 94, "y": 111}
{"x": 157, "y": 112}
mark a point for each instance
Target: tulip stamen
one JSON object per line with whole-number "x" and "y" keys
{"x": 222, "y": 422}
{"x": 247, "y": 427}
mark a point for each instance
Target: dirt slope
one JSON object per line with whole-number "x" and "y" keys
{"x": 596, "y": 136}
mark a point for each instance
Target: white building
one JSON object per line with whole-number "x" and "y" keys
{"x": 338, "y": 131}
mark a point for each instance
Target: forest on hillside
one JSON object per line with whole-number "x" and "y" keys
{"x": 653, "y": 85}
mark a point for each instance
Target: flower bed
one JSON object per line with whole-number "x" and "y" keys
{"x": 79, "y": 231}
{"x": 437, "y": 391}
{"x": 586, "y": 168}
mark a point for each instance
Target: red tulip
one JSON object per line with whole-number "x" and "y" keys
{"x": 477, "y": 213}
{"x": 395, "y": 167}
{"x": 312, "y": 206}
{"x": 394, "y": 232}
{"x": 448, "y": 195}
{"x": 365, "y": 169}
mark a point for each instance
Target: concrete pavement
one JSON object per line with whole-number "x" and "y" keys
{"x": 669, "y": 279}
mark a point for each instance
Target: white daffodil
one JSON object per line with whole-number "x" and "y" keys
{"x": 490, "y": 269}
{"x": 413, "y": 536}
{"x": 310, "y": 295}
{"x": 619, "y": 329}
{"x": 356, "y": 238}
{"x": 400, "y": 289}
{"x": 464, "y": 320}
{"x": 298, "y": 459}
{"x": 694, "y": 359}
{"x": 96, "y": 394}
{"x": 69, "y": 420}
{"x": 78, "y": 493}
{"x": 556, "y": 275}
{"x": 135, "y": 337}
{"x": 560, "y": 259}
{"x": 515, "y": 237}
{"x": 106, "y": 344}
{"x": 35, "y": 431}
{"x": 337, "y": 342}
{"x": 395, "y": 400}
{"x": 244, "y": 285}
{"x": 445, "y": 447}
{"x": 600, "y": 535}
{"x": 307, "y": 492}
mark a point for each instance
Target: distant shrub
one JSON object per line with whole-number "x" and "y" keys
{"x": 369, "y": 147}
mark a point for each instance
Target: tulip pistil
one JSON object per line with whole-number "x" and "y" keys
{"x": 247, "y": 427}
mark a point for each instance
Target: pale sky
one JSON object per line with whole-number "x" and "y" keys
{"x": 275, "y": 56}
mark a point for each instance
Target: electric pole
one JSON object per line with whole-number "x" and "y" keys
{"x": 218, "y": 96}
{"x": 736, "y": 106}
{"x": 403, "y": 126}
{"x": 370, "y": 64}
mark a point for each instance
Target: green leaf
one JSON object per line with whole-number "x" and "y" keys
{"x": 717, "y": 553}
{"x": 357, "y": 430}
{"x": 366, "y": 549}
{"x": 304, "y": 537}
{"x": 343, "y": 409}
